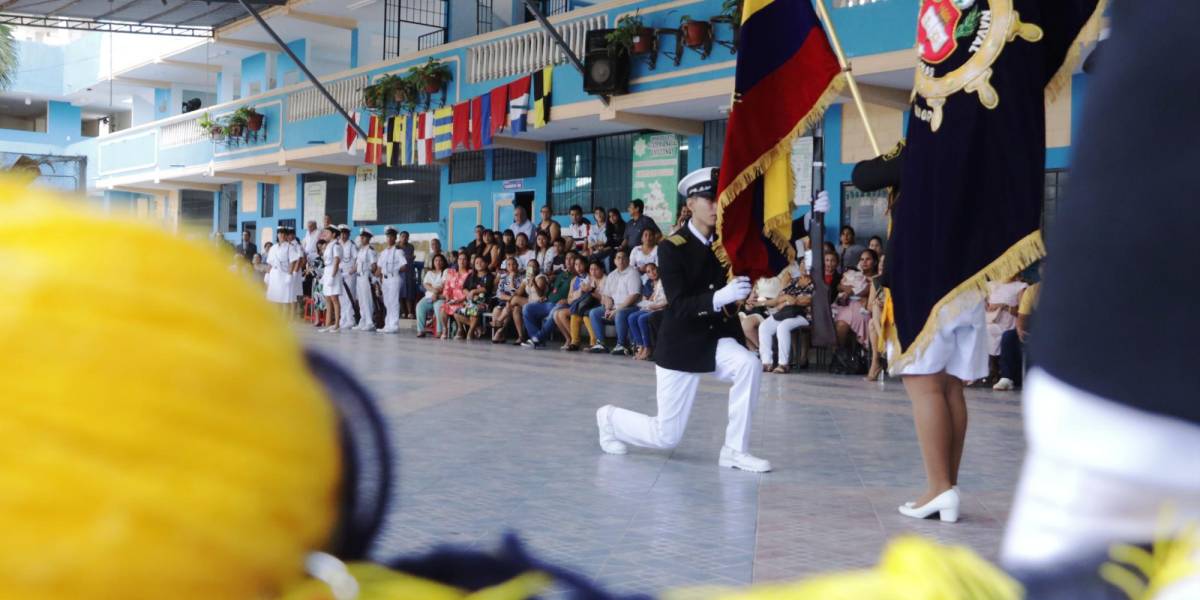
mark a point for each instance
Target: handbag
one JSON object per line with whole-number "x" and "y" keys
{"x": 790, "y": 311}
{"x": 582, "y": 305}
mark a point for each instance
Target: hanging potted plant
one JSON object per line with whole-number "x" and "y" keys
{"x": 216, "y": 131}
{"x": 433, "y": 75}
{"x": 630, "y": 36}
{"x": 375, "y": 97}
{"x": 695, "y": 33}
{"x": 236, "y": 125}
{"x": 731, "y": 10}
{"x": 253, "y": 118}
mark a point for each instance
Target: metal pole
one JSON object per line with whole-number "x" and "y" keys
{"x": 837, "y": 49}
{"x": 558, "y": 40}
{"x": 299, "y": 63}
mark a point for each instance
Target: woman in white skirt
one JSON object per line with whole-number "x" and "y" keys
{"x": 331, "y": 279}
{"x": 280, "y": 261}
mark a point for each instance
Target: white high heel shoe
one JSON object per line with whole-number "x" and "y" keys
{"x": 945, "y": 505}
{"x": 911, "y": 504}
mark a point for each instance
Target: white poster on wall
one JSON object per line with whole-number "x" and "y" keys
{"x": 314, "y": 201}
{"x": 366, "y": 193}
{"x": 802, "y": 170}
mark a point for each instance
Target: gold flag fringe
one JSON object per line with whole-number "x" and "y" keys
{"x": 1089, "y": 32}
{"x": 756, "y": 169}
{"x": 1020, "y": 255}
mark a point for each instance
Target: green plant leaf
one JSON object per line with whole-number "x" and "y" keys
{"x": 968, "y": 24}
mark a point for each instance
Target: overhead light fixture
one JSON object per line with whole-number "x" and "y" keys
{"x": 28, "y": 101}
{"x": 401, "y": 181}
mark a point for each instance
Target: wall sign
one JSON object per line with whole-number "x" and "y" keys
{"x": 366, "y": 193}
{"x": 314, "y": 201}
{"x": 514, "y": 184}
{"x": 655, "y": 176}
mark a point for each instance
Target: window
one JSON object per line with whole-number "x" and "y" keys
{"x": 714, "y": 142}
{"x": 287, "y": 223}
{"x": 267, "y": 208}
{"x": 337, "y": 190}
{"x": 196, "y": 209}
{"x": 1056, "y": 182}
{"x": 483, "y": 16}
{"x": 593, "y": 172}
{"x": 466, "y": 167}
{"x": 415, "y": 202}
{"x": 513, "y": 164}
{"x": 229, "y": 208}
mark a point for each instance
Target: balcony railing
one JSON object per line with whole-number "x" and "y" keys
{"x": 309, "y": 103}
{"x": 528, "y": 52}
{"x": 182, "y": 133}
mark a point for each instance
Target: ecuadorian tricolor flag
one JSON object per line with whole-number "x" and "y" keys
{"x": 786, "y": 76}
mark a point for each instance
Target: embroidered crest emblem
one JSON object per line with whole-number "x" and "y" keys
{"x": 936, "y": 28}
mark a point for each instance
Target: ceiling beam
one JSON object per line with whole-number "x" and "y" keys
{"x": 190, "y": 185}
{"x": 115, "y": 10}
{"x": 140, "y": 190}
{"x": 184, "y": 64}
{"x": 248, "y": 45}
{"x": 667, "y": 124}
{"x": 63, "y": 7}
{"x": 153, "y": 83}
{"x": 247, "y": 177}
{"x": 883, "y": 96}
{"x": 339, "y": 22}
{"x": 518, "y": 144}
{"x": 324, "y": 168}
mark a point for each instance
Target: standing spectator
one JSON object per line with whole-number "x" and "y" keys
{"x": 246, "y": 249}
{"x": 1001, "y": 316}
{"x": 579, "y": 230}
{"x": 349, "y": 277}
{"x": 645, "y": 253}
{"x": 1012, "y": 344}
{"x": 331, "y": 280}
{"x": 622, "y": 290}
{"x": 638, "y": 222}
{"x": 311, "y": 236}
{"x": 522, "y": 252}
{"x": 848, "y": 251}
{"x": 453, "y": 289}
{"x": 654, "y": 300}
{"x": 364, "y": 264}
{"x": 282, "y": 262}
{"x": 266, "y": 249}
{"x": 538, "y": 317}
{"x": 387, "y": 269}
{"x": 521, "y": 223}
{"x": 433, "y": 281}
{"x": 548, "y": 225}
{"x": 507, "y": 285}
{"x": 408, "y": 278}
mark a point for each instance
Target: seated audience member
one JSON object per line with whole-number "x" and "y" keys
{"x": 759, "y": 306}
{"x": 876, "y": 244}
{"x": 851, "y": 316}
{"x": 792, "y": 309}
{"x": 548, "y": 225}
{"x": 833, "y": 279}
{"x": 685, "y": 213}
{"x": 544, "y": 251}
{"x": 538, "y": 317}
{"x": 523, "y": 253}
{"x": 478, "y": 289}
{"x": 480, "y": 243}
{"x": 621, "y": 292}
{"x": 533, "y": 287}
{"x": 579, "y": 230}
{"x": 453, "y": 289}
{"x": 559, "y": 248}
{"x": 614, "y": 233}
{"x": 876, "y": 301}
{"x": 848, "y": 251}
{"x": 1012, "y": 343}
{"x": 433, "y": 281}
{"x": 581, "y": 298}
{"x": 1001, "y": 305}
{"x": 646, "y": 253}
{"x": 507, "y": 286}
{"x": 597, "y": 240}
{"x": 654, "y": 300}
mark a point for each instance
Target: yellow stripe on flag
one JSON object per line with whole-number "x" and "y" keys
{"x": 778, "y": 189}
{"x": 749, "y": 7}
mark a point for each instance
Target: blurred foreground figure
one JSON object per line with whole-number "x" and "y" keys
{"x": 1112, "y": 410}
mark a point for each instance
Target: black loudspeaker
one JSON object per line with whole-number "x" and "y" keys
{"x": 191, "y": 105}
{"x": 604, "y": 72}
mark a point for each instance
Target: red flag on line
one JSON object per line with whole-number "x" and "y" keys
{"x": 499, "y": 108}
{"x": 461, "y": 137}
{"x": 351, "y": 136}
{"x": 374, "y": 141}
{"x": 477, "y": 123}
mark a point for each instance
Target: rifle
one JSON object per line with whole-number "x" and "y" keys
{"x": 823, "y": 332}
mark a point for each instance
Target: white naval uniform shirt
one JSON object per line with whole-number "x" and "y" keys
{"x": 390, "y": 261}
{"x": 364, "y": 259}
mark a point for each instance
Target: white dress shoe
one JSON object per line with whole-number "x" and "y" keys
{"x": 608, "y": 440}
{"x": 911, "y": 504}
{"x": 743, "y": 460}
{"x": 945, "y": 506}
{"x": 1005, "y": 384}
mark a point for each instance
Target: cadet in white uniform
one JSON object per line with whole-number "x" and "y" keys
{"x": 281, "y": 261}
{"x": 388, "y": 268}
{"x": 297, "y": 252}
{"x": 331, "y": 280}
{"x": 364, "y": 265}
{"x": 700, "y": 333}
{"x": 349, "y": 277}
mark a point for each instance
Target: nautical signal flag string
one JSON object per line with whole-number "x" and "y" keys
{"x": 786, "y": 76}
{"x": 472, "y": 124}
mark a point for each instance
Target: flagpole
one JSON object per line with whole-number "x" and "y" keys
{"x": 837, "y": 49}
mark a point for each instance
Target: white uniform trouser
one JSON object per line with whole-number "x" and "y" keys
{"x": 1098, "y": 473}
{"x": 348, "y": 299}
{"x": 782, "y": 332}
{"x": 677, "y": 392}
{"x": 366, "y": 304}
{"x": 391, "y": 303}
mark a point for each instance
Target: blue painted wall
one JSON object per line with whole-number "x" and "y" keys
{"x": 162, "y": 103}
{"x": 286, "y": 69}
{"x": 254, "y": 71}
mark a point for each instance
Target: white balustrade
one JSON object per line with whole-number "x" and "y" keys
{"x": 309, "y": 103}
{"x": 529, "y": 52}
{"x": 181, "y": 133}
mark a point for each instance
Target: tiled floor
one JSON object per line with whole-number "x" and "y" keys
{"x": 495, "y": 438}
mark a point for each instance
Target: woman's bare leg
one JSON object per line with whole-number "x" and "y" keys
{"x": 935, "y": 430}
{"x": 957, "y": 404}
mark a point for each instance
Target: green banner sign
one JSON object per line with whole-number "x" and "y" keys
{"x": 655, "y": 175}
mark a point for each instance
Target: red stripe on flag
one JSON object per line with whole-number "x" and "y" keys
{"x": 462, "y": 126}
{"x": 477, "y": 123}
{"x": 499, "y": 108}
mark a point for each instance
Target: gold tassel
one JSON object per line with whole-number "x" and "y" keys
{"x": 1090, "y": 31}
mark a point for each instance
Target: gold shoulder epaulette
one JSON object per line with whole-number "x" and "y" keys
{"x": 678, "y": 240}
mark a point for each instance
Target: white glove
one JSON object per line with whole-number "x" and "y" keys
{"x": 821, "y": 203}
{"x": 735, "y": 290}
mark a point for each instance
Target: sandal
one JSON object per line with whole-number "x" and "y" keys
{"x": 781, "y": 370}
